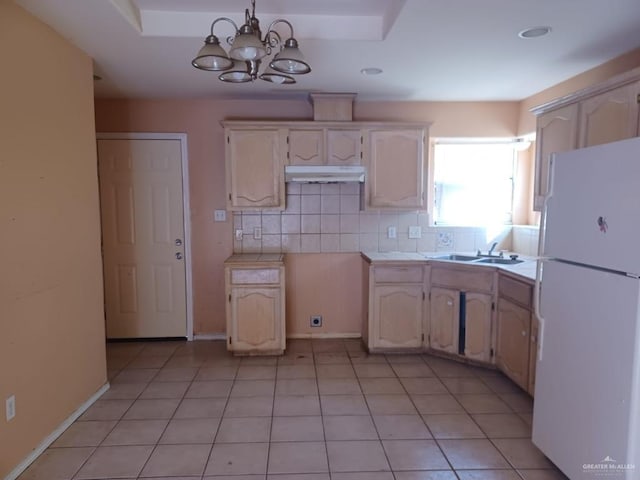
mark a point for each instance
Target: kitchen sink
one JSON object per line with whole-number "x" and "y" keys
{"x": 457, "y": 258}
{"x": 500, "y": 261}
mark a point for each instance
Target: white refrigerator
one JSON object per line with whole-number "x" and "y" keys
{"x": 586, "y": 416}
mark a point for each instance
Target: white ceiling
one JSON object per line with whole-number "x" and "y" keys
{"x": 439, "y": 50}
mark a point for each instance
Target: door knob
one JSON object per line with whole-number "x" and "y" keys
{"x": 179, "y": 256}
{"x": 178, "y": 242}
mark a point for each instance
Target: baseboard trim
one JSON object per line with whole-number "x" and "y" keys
{"x": 298, "y": 336}
{"x": 22, "y": 466}
{"x": 209, "y": 336}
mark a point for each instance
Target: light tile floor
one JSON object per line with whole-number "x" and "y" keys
{"x": 324, "y": 411}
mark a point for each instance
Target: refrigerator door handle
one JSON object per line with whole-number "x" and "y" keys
{"x": 541, "y": 258}
{"x": 536, "y": 307}
{"x": 545, "y": 206}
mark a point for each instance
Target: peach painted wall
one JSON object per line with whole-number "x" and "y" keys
{"x": 52, "y": 349}
{"x": 621, "y": 64}
{"x": 327, "y": 284}
{"x": 200, "y": 120}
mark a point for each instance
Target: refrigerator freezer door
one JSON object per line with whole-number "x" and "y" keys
{"x": 592, "y": 214}
{"x": 587, "y": 381}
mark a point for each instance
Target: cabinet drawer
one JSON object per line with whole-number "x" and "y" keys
{"x": 477, "y": 281}
{"x": 519, "y": 292}
{"x": 255, "y": 276}
{"x": 408, "y": 274}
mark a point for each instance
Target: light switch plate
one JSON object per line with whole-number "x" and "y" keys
{"x": 220, "y": 216}
{"x": 257, "y": 233}
{"x": 415, "y": 231}
{"x": 392, "y": 232}
{"x": 239, "y": 235}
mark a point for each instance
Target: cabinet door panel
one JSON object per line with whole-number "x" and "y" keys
{"x": 478, "y": 327}
{"x": 256, "y": 316}
{"x": 512, "y": 349}
{"x": 398, "y": 311}
{"x": 610, "y": 116}
{"x": 344, "y": 147}
{"x": 556, "y": 132}
{"x": 397, "y": 168}
{"x": 444, "y": 319}
{"x": 306, "y": 147}
{"x": 254, "y": 165}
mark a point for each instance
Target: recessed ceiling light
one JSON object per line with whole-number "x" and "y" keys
{"x": 534, "y": 32}
{"x": 371, "y": 71}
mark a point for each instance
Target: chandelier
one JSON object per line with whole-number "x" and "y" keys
{"x": 247, "y": 50}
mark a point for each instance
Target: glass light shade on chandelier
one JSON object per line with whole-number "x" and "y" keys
{"x": 248, "y": 48}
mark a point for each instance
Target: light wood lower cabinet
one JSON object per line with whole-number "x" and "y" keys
{"x": 461, "y": 311}
{"x": 256, "y": 309}
{"x": 477, "y": 332}
{"x": 512, "y": 348}
{"x": 444, "y": 316}
{"x": 395, "y": 316}
{"x": 515, "y": 325}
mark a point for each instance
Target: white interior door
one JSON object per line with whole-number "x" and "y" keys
{"x": 143, "y": 238}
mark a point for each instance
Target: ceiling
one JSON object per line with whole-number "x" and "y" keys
{"x": 437, "y": 50}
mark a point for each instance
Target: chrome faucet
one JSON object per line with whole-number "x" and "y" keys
{"x": 490, "y": 252}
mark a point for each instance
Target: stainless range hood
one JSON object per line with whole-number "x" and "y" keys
{"x": 324, "y": 174}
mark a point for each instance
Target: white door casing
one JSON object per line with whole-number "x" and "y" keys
{"x": 145, "y": 230}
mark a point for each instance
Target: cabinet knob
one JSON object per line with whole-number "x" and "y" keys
{"x": 179, "y": 256}
{"x": 449, "y": 303}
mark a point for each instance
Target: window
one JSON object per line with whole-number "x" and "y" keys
{"x": 473, "y": 183}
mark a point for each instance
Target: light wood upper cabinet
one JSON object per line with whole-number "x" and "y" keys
{"x": 256, "y": 309}
{"x": 603, "y": 113}
{"x": 477, "y": 336}
{"x": 444, "y": 316}
{"x": 325, "y": 146}
{"x": 255, "y": 168}
{"x": 306, "y": 147}
{"x": 512, "y": 347}
{"x": 610, "y": 116}
{"x": 556, "y": 132}
{"x": 396, "y": 164}
{"x": 344, "y": 147}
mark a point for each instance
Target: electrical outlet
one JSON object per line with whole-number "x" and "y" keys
{"x": 415, "y": 232}
{"x": 257, "y": 233}
{"x": 10, "y": 407}
{"x": 392, "y": 232}
{"x": 315, "y": 320}
{"x": 220, "y": 216}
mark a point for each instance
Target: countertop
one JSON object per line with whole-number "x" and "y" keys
{"x": 248, "y": 258}
{"x": 525, "y": 270}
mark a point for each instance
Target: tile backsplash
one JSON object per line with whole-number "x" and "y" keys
{"x": 525, "y": 239}
{"x": 327, "y": 218}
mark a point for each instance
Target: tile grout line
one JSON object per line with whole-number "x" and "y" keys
{"x": 324, "y": 434}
